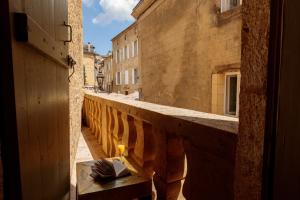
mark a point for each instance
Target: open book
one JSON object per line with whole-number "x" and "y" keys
{"x": 104, "y": 169}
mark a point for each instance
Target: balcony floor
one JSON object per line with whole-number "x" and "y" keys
{"x": 88, "y": 149}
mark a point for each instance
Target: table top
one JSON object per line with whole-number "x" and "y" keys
{"x": 138, "y": 184}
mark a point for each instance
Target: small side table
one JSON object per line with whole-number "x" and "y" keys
{"x": 137, "y": 185}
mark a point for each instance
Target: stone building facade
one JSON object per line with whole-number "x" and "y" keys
{"x": 108, "y": 73}
{"x": 190, "y": 53}
{"x": 125, "y": 63}
{"x": 91, "y": 65}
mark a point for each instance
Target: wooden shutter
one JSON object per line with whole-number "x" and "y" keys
{"x": 123, "y": 53}
{"x": 126, "y": 77}
{"x": 128, "y": 56}
{"x": 43, "y": 25}
{"x": 132, "y": 76}
{"x": 137, "y": 47}
{"x": 116, "y": 78}
{"x": 132, "y": 50}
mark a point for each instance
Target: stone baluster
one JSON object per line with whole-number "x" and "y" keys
{"x": 104, "y": 124}
{"x": 168, "y": 164}
{"x": 97, "y": 120}
{"x": 129, "y": 134}
{"x": 144, "y": 148}
{"x": 117, "y": 132}
{"x": 88, "y": 112}
{"x": 95, "y": 113}
{"x": 109, "y": 130}
{"x": 99, "y": 123}
{"x": 92, "y": 116}
{"x": 83, "y": 111}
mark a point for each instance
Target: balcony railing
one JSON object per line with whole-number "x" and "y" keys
{"x": 159, "y": 137}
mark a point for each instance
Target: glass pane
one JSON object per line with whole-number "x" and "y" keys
{"x": 232, "y": 94}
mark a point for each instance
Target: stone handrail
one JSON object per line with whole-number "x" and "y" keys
{"x": 159, "y": 137}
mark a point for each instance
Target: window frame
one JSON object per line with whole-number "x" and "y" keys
{"x": 118, "y": 78}
{"x": 126, "y": 77}
{"x": 226, "y": 92}
{"x": 226, "y": 5}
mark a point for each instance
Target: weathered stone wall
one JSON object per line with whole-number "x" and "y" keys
{"x": 76, "y": 81}
{"x": 89, "y": 69}
{"x": 126, "y": 38}
{"x": 181, "y": 43}
{"x": 255, "y": 34}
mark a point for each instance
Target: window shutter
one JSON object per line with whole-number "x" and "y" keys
{"x": 121, "y": 80}
{"x": 123, "y": 53}
{"x": 132, "y": 76}
{"x": 128, "y": 52}
{"x": 116, "y": 78}
{"x": 126, "y": 77}
{"x": 132, "y": 50}
{"x": 137, "y": 47}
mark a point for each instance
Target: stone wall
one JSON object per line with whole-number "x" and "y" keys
{"x": 89, "y": 69}
{"x": 255, "y": 38}
{"x": 76, "y": 81}
{"x": 181, "y": 44}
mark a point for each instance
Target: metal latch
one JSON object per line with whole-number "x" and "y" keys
{"x": 71, "y": 63}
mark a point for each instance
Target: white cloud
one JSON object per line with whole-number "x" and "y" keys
{"x": 115, "y": 10}
{"x": 88, "y": 3}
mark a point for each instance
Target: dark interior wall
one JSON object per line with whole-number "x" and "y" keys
{"x": 253, "y": 96}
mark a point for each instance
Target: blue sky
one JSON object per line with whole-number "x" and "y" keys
{"x": 103, "y": 19}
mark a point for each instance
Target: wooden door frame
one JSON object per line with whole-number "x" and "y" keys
{"x": 9, "y": 135}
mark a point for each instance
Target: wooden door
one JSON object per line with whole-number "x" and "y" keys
{"x": 41, "y": 87}
{"x": 281, "y": 156}
{"x": 287, "y": 154}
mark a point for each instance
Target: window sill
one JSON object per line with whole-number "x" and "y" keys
{"x": 229, "y": 15}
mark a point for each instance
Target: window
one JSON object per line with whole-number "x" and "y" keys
{"x": 135, "y": 48}
{"x": 128, "y": 52}
{"x": 118, "y": 78}
{"x": 125, "y": 52}
{"x": 134, "y": 76}
{"x": 229, "y": 4}
{"x": 232, "y": 87}
{"x": 121, "y": 55}
{"x": 126, "y": 77}
{"x": 118, "y": 56}
{"x": 132, "y": 49}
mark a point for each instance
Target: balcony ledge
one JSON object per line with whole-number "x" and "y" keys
{"x": 175, "y": 118}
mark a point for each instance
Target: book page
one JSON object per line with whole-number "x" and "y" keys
{"x": 120, "y": 168}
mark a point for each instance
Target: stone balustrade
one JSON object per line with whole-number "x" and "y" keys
{"x": 159, "y": 137}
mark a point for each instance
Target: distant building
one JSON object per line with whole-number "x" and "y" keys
{"x": 91, "y": 65}
{"x": 190, "y": 53}
{"x": 125, "y": 63}
{"x": 108, "y": 73}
